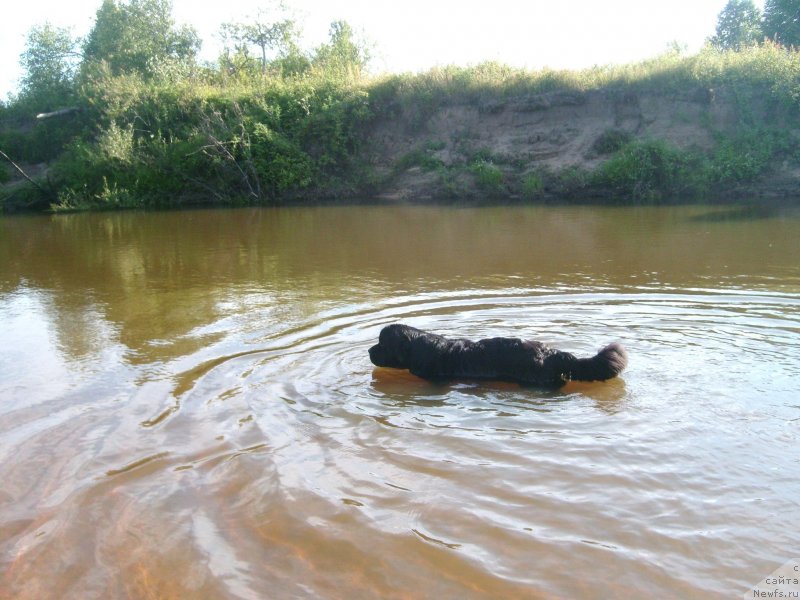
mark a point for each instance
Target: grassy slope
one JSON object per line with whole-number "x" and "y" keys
{"x": 207, "y": 139}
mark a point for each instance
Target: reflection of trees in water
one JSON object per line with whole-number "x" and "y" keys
{"x": 154, "y": 278}
{"x": 82, "y": 333}
{"x": 106, "y": 280}
{"x": 149, "y": 280}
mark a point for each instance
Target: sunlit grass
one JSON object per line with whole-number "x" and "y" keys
{"x": 769, "y": 64}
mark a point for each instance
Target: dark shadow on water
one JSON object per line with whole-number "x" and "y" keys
{"x": 750, "y": 212}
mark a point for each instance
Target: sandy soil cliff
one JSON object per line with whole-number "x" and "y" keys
{"x": 552, "y": 133}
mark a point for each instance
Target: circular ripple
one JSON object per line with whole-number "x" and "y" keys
{"x": 676, "y": 341}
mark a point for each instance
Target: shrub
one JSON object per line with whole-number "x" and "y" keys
{"x": 610, "y": 141}
{"x": 488, "y": 177}
{"x": 280, "y": 164}
{"x": 116, "y": 143}
{"x": 746, "y": 155}
{"x": 419, "y": 157}
{"x": 532, "y": 186}
{"x": 649, "y": 171}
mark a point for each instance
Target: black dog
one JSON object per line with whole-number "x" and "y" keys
{"x": 435, "y": 357}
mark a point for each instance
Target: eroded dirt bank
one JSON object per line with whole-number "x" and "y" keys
{"x": 548, "y": 146}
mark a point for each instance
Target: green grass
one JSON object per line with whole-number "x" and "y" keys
{"x": 532, "y": 186}
{"x": 488, "y": 176}
{"x": 768, "y": 67}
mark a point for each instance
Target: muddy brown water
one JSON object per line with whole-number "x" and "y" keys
{"x": 187, "y": 408}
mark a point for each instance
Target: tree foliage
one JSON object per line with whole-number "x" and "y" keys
{"x": 49, "y": 63}
{"x": 134, "y": 36}
{"x": 271, "y": 31}
{"x": 738, "y": 26}
{"x": 782, "y": 21}
{"x": 344, "y": 54}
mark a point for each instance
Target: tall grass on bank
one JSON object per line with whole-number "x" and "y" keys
{"x": 203, "y": 136}
{"x": 769, "y": 66}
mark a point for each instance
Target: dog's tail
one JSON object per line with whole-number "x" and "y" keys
{"x": 608, "y": 363}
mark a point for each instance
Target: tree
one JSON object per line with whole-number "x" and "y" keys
{"x": 134, "y": 36}
{"x": 782, "y": 21}
{"x": 270, "y": 30}
{"x": 738, "y": 26}
{"x": 49, "y": 62}
{"x": 344, "y": 54}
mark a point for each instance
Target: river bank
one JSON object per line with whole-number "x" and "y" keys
{"x": 713, "y": 127}
{"x": 607, "y": 146}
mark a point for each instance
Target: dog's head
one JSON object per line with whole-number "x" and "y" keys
{"x": 394, "y": 347}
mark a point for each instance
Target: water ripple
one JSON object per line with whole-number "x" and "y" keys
{"x": 322, "y": 451}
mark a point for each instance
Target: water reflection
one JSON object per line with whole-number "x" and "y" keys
{"x": 187, "y": 408}
{"x": 400, "y": 388}
{"x": 157, "y": 277}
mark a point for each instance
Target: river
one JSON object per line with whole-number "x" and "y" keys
{"x": 188, "y": 410}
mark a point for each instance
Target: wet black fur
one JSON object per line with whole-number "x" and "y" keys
{"x": 438, "y": 358}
